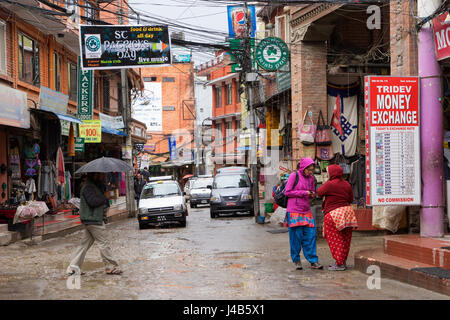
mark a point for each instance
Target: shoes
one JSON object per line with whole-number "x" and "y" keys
{"x": 298, "y": 265}
{"x": 316, "y": 265}
{"x": 336, "y": 267}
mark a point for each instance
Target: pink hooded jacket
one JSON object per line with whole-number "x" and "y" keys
{"x": 298, "y": 198}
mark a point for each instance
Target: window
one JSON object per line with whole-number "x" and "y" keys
{"x": 149, "y": 79}
{"x": 238, "y": 129}
{"x": 228, "y": 93}
{"x": 218, "y": 130}
{"x": 231, "y": 181}
{"x": 281, "y": 28}
{"x": 71, "y": 6}
{"x": 218, "y": 92}
{"x": 89, "y": 13}
{"x": 3, "y": 47}
{"x": 28, "y": 60}
{"x": 168, "y": 79}
{"x": 106, "y": 95}
{"x": 72, "y": 80}
{"x": 228, "y": 130}
{"x": 238, "y": 96}
{"x": 57, "y": 70}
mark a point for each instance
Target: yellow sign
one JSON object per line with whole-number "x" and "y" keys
{"x": 91, "y": 131}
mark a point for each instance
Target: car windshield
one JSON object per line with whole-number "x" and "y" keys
{"x": 202, "y": 183}
{"x": 158, "y": 190}
{"x": 231, "y": 181}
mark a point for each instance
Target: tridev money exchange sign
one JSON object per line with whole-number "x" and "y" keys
{"x": 116, "y": 47}
{"x": 392, "y": 141}
{"x": 441, "y": 35}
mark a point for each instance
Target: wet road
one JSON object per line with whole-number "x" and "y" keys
{"x": 225, "y": 258}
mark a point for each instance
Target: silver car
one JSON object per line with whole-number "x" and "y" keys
{"x": 199, "y": 192}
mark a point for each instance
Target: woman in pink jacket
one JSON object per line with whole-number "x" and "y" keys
{"x": 300, "y": 188}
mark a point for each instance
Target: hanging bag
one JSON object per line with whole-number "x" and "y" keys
{"x": 307, "y": 131}
{"x": 324, "y": 152}
{"x": 323, "y": 132}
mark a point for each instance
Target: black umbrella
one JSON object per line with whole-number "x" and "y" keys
{"x": 105, "y": 164}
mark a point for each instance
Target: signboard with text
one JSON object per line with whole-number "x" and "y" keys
{"x": 91, "y": 131}
{"x": 85, "y": 93}
{"x": 117, "y": 47}
{"x": 79, "y": 144}
{"x": 13, "y": 108}
{"x": 53, "y": 101}
{"x": 110, "y": 122}
{"x": 441, "y": 36}
{"x": 393, "y": 174}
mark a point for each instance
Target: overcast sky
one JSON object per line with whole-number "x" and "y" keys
{"x": 196, "y": 13}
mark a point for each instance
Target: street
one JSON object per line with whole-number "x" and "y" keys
{"x": 225, "y": 258}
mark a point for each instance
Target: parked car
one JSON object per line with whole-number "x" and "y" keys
{"x": 199, "y": 192}
{"x": 188, "y": 186}
{"x": 162, "y": 202}
{"x": 231, "y": 191}
{"x": 234, "y": 170}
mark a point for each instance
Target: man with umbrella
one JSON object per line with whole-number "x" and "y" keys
{"x": 93, "y": 204}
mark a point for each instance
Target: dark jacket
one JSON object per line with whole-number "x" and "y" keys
{"x": 337, "y": 192}
{"x": 138, "y": 186}
{"x": 92, "y": 204}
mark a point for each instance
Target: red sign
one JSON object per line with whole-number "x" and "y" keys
{"x": 441, "y": 36}
{"x": 394, "y": 101}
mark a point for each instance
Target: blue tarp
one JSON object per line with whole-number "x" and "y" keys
{"x": 114, "y": 131}
{"x": 68, "y": 118}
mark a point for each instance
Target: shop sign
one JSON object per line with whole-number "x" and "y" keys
{"x": 13, "y": 108}
{"x": 237, "y": 23}
{"x": 148, "y": 108}
{"x": 91, "y": 131}
{"x": 53, "y": 101}
{"x": 79, "y": 144}
{"x": 116, "y": 47}
{"x": 283, "y": 78}
{"x": 126, "y": 152}
{"x": 85, "y": 110}
{"x": 172, "y": 147}
{"x": 110, "y": 122}
{"x": 393, "y": 173}
{"x": 441, "y": 36}
{"x": 272, "y": 53}
{"x": 65, "y": 128}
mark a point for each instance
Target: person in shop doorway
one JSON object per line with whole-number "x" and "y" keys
{"x": 139, "y": 183}
{"x": 93, "y": 204}
{"x": 340, "y": 218}
{"x": 300, "y": 189}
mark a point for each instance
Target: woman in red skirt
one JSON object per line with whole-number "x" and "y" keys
{"x": 340, "y": 219}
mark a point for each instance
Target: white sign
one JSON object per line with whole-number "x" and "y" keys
{"x": 393, "y": 174}
{"x": 110, "y": 122}
{"x": 148, "y": 108}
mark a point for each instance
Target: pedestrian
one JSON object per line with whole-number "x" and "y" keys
{"x": 146, "y": 174}
{"x": 300, "y": 189}
{"x": 139, "y": 184}
{"x": 93, "y": 204}
{"x": 340, "y": 218}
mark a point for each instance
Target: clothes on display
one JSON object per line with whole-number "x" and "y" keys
{"x": 60, "y": 167}
{"x": 68, "y": 186}
{"x": 30, "y": 186}
{"x": 47, "y": 179}
{"x": 358, "y": 178}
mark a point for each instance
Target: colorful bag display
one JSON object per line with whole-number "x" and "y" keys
{"x": 340, "y": 160}
{"x": 324, "y": 152}
{"x": 323, "y": 132}
{"x": 306, "y": 132}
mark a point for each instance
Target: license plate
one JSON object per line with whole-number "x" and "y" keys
{"x": 204, "y": 201}
{"x": 231, "y": 203}
{"x": 161, "y": 218}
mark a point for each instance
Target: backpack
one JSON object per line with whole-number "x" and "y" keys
{"x": 279, "y": 196}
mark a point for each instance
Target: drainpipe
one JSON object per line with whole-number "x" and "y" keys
{"x": 431, "y": 135}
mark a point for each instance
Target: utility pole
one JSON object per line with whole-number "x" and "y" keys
{"x": 247, "y": 69}
{"x": 129, "y": 185}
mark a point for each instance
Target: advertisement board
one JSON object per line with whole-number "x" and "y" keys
{"x": 53, "y": 101}
{"x": 237, "y": 23}
{"x": 393, "y": 174}
{"x": 91, "y": 131}
{"x": 13, "y": 109}
{"x": 148, "y": 108}
{"x": 111, "y": 122}
{"x": 441, "y": 36}
{"x": 85, "y": 93}
{"x": 119, "y": 46}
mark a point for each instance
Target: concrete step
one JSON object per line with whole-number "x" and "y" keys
{"x": 3, "y": 227}
{"x": 423, "y": 250}
{"x": 403, "y": 270}
{"x": 8, "y": 237}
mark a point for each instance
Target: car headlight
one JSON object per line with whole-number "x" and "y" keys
{"x": 178, "y": 207}
{"x": 215, "y": 199}
{"x": 245, "y": 197}
{"x": 143, "y": 210}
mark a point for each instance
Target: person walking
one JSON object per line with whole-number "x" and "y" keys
{"x": 340, "y": 218}
{"x": 146, "y": 174}
{"x": 300, "y": 188}
{"x": 93, "y": 204}
{"x": 139, "y": 183}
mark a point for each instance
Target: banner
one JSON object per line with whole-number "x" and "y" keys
{"x": 116, "y": 47}
{"x": 91, "y": 131}
{"x": 110, "y": 122}
{"x": 441, "y": 36}
{"x": 53, "y": 101}
{"x": 237, "y": 23}
{"x": 148, "y": 108}
{"x": 393, "y": 141}
{"x": 85, "y": 93}
{"x": 173, "y": 148}
{"x": 13, "y": 108}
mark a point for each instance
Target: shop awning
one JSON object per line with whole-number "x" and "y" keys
{"x": 68, "y": 118}
{"x": 114, "y": 131}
